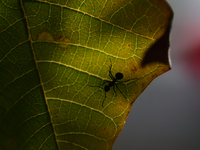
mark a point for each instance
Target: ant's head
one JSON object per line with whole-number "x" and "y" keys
{"x": 118, "y": 76}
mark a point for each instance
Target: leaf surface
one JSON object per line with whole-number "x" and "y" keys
{"x": 53, "y": 53}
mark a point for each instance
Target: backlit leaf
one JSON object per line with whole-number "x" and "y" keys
{"x": 53, "y": 53}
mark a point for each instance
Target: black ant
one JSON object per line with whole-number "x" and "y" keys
{"x": 118, "y": 76}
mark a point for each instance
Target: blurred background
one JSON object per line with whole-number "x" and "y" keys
{"x": 166, "y": 116}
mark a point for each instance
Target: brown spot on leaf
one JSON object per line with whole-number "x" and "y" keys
{"x": 104, "y": 129}
{"x": 143, "y": 85}
{"x": 62, "y": 39}
{"x": 132, "y": 67}
{"x": 131, "y": 103}
{"x": 153, "y": 76}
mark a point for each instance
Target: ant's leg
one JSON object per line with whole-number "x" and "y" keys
{"x": 114, "y": 89}
{"x": 111, "y": 76}
{"x": 120, "y": 91}
{"x": 104, "y": 99}
{"x": 110, "y": 73}
{"x": 99, "y": 85}
{"x": 104, "y": 82}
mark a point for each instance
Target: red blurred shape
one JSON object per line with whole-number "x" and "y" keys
{"x": 192, "y": 58}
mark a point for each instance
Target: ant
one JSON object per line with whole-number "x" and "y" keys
{"x": 118, "y": 76}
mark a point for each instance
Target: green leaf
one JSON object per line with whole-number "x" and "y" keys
{"x": 53, "y": 53}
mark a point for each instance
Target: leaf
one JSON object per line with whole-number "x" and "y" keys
{"x": 53, "y": 52}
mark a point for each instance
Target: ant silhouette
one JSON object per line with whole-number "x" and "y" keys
{"x": 118, "y": 76}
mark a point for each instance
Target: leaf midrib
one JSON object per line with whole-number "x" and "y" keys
{"x": 31, "y": 43}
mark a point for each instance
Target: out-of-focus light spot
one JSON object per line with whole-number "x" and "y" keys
{"x": 192, "y": 61}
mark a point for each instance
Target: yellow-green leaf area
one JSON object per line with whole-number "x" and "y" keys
{"x": 56, "y": 58}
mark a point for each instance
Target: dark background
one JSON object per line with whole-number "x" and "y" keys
{"x": 166, "y": 116}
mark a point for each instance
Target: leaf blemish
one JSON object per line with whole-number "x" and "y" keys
{"x": 143, "y": 85}
{"x": 132, "y": 67}
{"x": 62, "y": 39}
{"x": 45, "y": 36}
